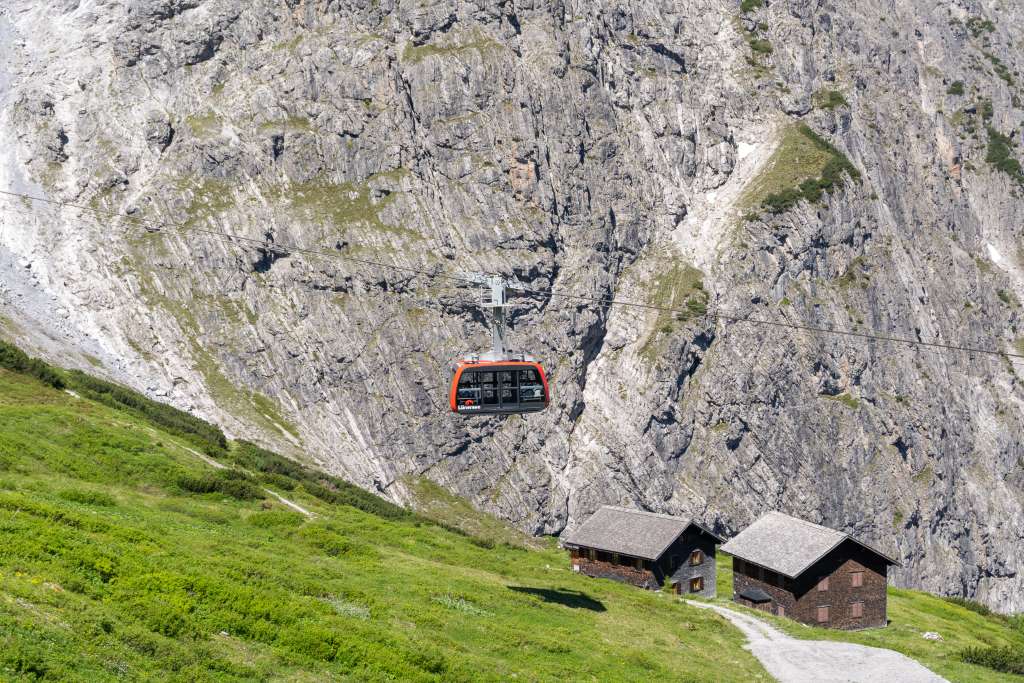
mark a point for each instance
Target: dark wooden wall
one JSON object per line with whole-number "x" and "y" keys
{"x": 626, "y": 573}
{"x": 800, "y": 598}
{"x": 692, "y": 539}
{"x": 654, "y": 574}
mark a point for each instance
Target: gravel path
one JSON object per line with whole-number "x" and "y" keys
{"x": 791, "y": 660}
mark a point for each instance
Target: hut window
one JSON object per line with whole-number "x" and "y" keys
{"x": 616, "y": 559}
{"x": 857, "y": 579}
{"x": 639, "y": 563}
{"x": 697, "y": 584}
{"x": 823, "y": 614}
{"x": 782, "y": 610}
{"x": 696, "y": 557}
{"x": 856, "y": 610}
{"x": 675, "y": 562}
{"x": 592, "y": 554}
{"x": 823, "y": 583}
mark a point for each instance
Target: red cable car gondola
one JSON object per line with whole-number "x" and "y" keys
{"x": 503, "y": 386}
{"x": 498, "y": 382}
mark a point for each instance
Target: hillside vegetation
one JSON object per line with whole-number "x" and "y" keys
{"x": 114, "y": 564}
{"x": 965, "y": 628}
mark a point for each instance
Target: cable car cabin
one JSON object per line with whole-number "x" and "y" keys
{"x": 499, "y": 387}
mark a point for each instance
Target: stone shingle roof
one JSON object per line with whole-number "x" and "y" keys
{"x": 630, "y": 532}
{"x": 788, "y": 545}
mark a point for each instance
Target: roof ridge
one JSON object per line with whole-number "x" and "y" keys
{"x": 810, "y": 524}
{"x": 663, "y": 515}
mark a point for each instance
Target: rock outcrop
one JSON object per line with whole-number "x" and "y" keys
{"x": 652, "y": 152}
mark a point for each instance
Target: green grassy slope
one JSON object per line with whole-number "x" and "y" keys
{"x": 911, "y": 614}
{"x": 111, "y": 569}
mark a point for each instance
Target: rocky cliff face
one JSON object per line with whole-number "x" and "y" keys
{"x": 653, "y": 151}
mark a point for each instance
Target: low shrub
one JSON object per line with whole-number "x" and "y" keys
{"x": 750, "y": 5}
{"x": 85, "y": 497}
{"x": 956, "y": 88}
{"x": 272, "y": 519}
{"x": 229, "y": 482}
{"x": 16, "y": 360}
{"x": 1006, "y": 659}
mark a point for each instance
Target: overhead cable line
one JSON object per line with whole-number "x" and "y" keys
{"x": 286, "y": 249}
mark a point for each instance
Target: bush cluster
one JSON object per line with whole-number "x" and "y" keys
{"x": 956, "y": 88}
{"x": 208, "y": 436}
{"x": 231, "y": 483}
{"x": 16, "y": 360}
{"x": 1006, "y": 659}
{"x": 1000, "y": 155}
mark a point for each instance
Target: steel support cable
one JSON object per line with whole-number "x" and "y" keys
{"x": 285, "y": 249}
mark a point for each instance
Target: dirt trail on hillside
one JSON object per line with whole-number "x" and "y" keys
{"x": 791, "y": 660}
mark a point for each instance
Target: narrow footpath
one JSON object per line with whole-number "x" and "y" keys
{"x": 791, "y": 660}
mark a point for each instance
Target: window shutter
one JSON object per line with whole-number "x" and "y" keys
{"x": 823, "y": 614}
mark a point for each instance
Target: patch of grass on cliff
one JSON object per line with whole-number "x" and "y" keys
{"x": 804, "y": 167}
{"x": 167, "y": 584}
{"x": 341, "y": 204}
{"x": 1001, "y": 69}
{"x": 911, "y": 614}
{"x": 482, "y": 44}
{"x": 829, "y": 99}
{"x": 204, "y": 123}
{"x": 269, "y": 408}
{"x": 844, "y": 398}
{"x": 747, "y": 6}
{"x": 1000, "y": 155}
{"x": 210, "y": 197}
{"x": 956, "y": 88}
{"x": 292, "y": 123}
{"x": 854, "y": 274}
{"x": 678, "y": 286}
